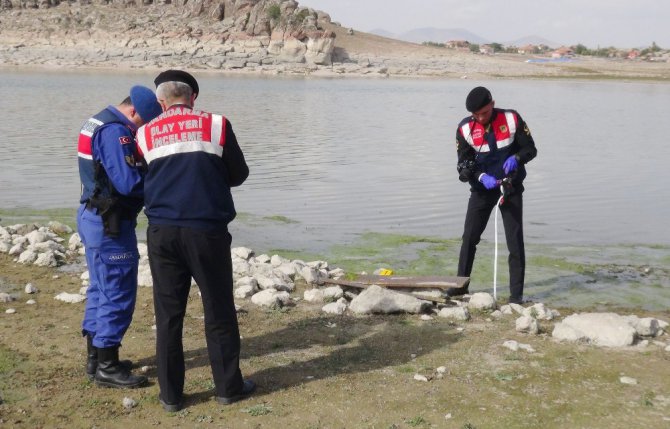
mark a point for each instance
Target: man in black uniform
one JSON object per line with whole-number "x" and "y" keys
{"x": 193, "y": 160}
{"x": 493, "y": 146}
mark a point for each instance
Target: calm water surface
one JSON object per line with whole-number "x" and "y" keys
{"x": 342, "y": 156}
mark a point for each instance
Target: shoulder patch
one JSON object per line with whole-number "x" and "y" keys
{"x": 130, "y": 160}
{"x": 503, "y": 128}
{"x": 125, "y": 140}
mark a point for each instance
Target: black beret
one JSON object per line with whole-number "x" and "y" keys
{"x": 178, "y": 76}
{"x": 478, "y": 98}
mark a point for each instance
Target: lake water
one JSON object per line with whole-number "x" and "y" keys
{"x": 341, "y": 156}
{"x": 333, "y": 158}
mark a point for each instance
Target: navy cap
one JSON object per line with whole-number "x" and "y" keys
{"x": 178, "y": 76}
{"x": 145, "y": 103}
{"x": 478, "y": 98}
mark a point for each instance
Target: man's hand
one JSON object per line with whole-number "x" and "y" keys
{"x": 489, "y": 182}
{"x": 510, "y": 164}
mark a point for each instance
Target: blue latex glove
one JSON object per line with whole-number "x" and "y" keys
{"x": 510, "y": 164}
{"x": 489, "y": 182}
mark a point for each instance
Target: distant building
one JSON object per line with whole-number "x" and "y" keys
{"x": 529, "y": 49}
{"x": 563, "y": 52}
{"x": 486, "y": 49}
{"x": 633, "y": 54}
{"x": 462, "y": 45}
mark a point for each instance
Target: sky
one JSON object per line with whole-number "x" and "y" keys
{"x": 594, "y": 23}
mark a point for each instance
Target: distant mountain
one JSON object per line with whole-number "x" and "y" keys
{"x": 440, "y": 35}
{"x": 532, "y": 40}
{"x": 383, "y": 33}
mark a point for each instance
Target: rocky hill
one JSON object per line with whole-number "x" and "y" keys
{"x": 258, "y": 36}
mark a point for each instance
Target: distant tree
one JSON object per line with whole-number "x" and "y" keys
{"x": 497, "y": 47}
{"x": 581, "y": 50}
{"x": 434, "y": 44}
{"x": 654, "y": 47}
{"x": 474, "y": 48}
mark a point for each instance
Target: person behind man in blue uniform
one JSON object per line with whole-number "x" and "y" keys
{"x": 111, "y": 198}
{"x": 193, "y": 160}
{"x": 493, "y": 145}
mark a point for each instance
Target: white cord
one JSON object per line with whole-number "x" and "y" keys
{"x": 495, "y": 251}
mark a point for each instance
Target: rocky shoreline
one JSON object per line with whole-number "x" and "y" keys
{"x": 247, "y": 37}
{"x": 271, "y": 282}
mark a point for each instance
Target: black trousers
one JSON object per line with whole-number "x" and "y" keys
{"x": 480, "y": 206}
{"x": 175, "y": 255}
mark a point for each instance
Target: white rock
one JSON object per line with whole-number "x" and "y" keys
{"x": 336, "y": 273}
{"x": 31, "y": 302}
{"x": 667, "y": 349}
{"x": 5, "y": 246}
{"x": 482, "y": 301}
{"x": 71, "y": 298}
{"x": 337, "y": 308}
{"x": 333, "y": 292}
{"x": 311, "y": 275}
{"x": 506, "y": 309}
{"x": 242, "y": 252}
{"x": 518, "y": 308}
{"x": 241, "y": 267}
{"x": 441, "y": 370}
{"x": 497, "y": 314}
{"x": 5, "y": 297}
{"x": 85, "y": 275}
{"x": 129, "y": 403}
{"x": 455, "y": 313}
{"x": 601, "y": 329}
{"x": 376, "y": 299}
{"x": 277, "y": 260}
{"x": 263, "y": 259}
{"x": 10, "y": 311}
{"x": 83, "y": 290}
{"x": 246, "y": 287}
{"x": 627, "y": 380}
{"x": 46, "y": 259}
{"x": 74, "y": 242}
{"x": 313, "y": 295}
{"x": 144, "y": 277}
{"x": 512, "y": 345}
{"x": 59, "y": 228}
{"x": 30, "y": 288}
{"x": 426, "y": 317}
{"x": 17, "y": 249}
{"x": 647, "y": 327}
{"x": 271, "y": 298}
{"x": 36, "y": 237}
{"x": 27, "y": 257}
{"x": 527, "y": 324}
{"x": 538, "y": 311}
{"x": 419, "y": 377}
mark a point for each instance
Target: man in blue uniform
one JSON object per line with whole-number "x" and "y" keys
{"x": 112, "y": 197}
{"x": 193, "y": 160}
{"x": 493, "y": 144}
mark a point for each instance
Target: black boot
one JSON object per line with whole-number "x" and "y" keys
{"x": 111, "y": 373}
{"x": 92, "y": 359}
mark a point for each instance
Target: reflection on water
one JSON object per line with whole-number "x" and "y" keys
{"x": 341, "y": 156}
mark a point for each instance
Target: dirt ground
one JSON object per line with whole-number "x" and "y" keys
{"x": 319, "y": 371}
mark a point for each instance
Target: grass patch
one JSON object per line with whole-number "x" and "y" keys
{"x": 258, "y": 410}
{"x": 417, "y": 421}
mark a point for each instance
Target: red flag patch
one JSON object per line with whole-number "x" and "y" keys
{"x": 125, "y": 140}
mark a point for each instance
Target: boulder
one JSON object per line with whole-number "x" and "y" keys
{"x": 600, "y": 329}
{"x": 376, "y": 299}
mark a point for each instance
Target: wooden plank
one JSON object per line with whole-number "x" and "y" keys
{"x": 427, "y": 282}
{"x": 359, "y": 285}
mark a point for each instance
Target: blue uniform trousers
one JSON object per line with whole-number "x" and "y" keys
{"x": 112, "y": 266}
